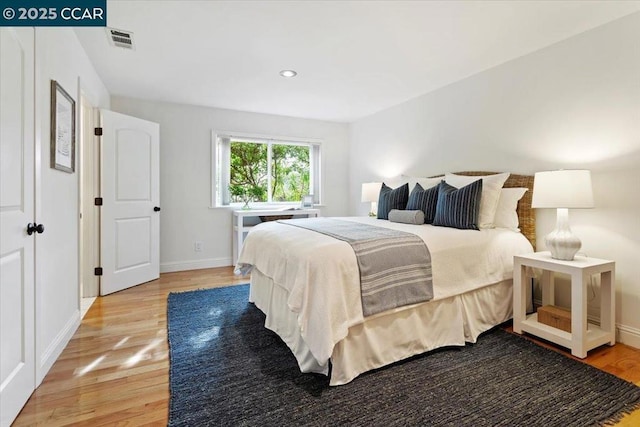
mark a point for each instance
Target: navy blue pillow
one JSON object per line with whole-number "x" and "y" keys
{"x": 392, "y": 199}
{"x": 458, "y": 207}
{"x": 424, "y": 200}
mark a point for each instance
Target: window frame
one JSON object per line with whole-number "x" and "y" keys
{"x": 218, "y": 169}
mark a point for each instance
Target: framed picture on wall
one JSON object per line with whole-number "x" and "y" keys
{"x": 63, "y": 129}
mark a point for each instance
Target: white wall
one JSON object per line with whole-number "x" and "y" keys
{"x": 59, "y": 56}
{"x": 575, "y": 104}
{"x": 185, "y": 174}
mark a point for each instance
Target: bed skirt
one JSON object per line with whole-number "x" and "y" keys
{"x": 389, "y": 336}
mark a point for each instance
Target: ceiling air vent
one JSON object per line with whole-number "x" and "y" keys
{"x": 120, "y": 38}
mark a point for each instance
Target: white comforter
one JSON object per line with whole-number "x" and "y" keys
{"x": 321, "y": 274}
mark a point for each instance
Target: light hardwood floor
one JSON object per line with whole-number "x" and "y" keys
{"x": 114, "y": 371}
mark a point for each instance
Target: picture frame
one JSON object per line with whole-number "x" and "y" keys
{"x": 307, "y": 201}
{"x": 63, "y": 129}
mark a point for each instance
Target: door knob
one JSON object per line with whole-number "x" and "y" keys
{"x": 35, "y": 228}
{"x": 156, "y": 209}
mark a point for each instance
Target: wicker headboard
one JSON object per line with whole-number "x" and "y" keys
{"x": 526, "y": 216}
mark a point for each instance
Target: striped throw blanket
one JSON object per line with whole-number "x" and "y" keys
{"x": 395, "y": 266}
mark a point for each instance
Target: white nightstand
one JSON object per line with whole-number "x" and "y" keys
{"x": 583, "y": 336}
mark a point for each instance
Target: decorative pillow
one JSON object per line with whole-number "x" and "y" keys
{"x": 458, "y": 208}
{"x": 425, "y": 183}
{"x": 425, "y": 200}
{"x": 506, "y": 215}
{"x": 491, "y": 186}
{"x": 398, "y": 180}
{"x": 392, "y": 199}
{"x": 407, "y": 217}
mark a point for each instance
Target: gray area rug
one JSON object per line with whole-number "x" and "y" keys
{"x": 227, "y": 369}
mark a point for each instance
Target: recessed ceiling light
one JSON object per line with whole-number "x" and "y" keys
{"x": 288, "y": 73}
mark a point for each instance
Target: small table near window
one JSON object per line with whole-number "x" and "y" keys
{"x": 244, "y": 220}
{"x": 583, "y": 336}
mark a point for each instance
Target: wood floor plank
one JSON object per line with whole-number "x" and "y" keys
{"x": 115, "y": 369}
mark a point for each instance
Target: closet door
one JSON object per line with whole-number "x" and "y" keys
{"x": 17, "y": 357}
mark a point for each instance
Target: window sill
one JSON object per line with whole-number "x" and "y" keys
{"x": 266, "y": 206}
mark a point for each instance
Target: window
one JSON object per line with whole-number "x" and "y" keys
{"x": 264, "y": 170}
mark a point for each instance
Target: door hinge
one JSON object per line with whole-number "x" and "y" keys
{"x": 97, "y": 201}
{"x": 97, "y": 131}
{"x": 97, "y": 271}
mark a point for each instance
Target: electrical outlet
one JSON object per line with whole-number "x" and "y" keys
{"x": 197, "y": 246}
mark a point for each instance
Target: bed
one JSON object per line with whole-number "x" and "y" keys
{"x": 308, "y": 286}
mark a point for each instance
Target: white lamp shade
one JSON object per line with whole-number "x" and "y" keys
{"x": 370, "y": 191}
{"x": 562, "y": 189}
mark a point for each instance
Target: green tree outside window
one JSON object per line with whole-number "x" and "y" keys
{"x": 288, "y": 180}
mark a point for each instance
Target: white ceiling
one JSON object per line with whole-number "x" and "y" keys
{"x": 353, "y": 58}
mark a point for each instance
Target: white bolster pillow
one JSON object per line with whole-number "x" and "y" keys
{"x": 406, "y": 217}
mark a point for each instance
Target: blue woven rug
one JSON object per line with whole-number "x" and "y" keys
{"x": 227, "y": 369}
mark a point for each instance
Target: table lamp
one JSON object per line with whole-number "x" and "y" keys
{"x": 370, "y": 193}
{"x": 563, "y": 190}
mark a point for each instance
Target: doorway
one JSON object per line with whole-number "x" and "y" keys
{"x": 89, "y": 213}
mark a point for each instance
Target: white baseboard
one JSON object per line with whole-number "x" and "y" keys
{"x": 169, "y": 267}
{"x": 54, "y": 350}
{"x": 628, "y": 335}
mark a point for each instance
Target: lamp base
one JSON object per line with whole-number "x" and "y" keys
{"x": 374, "y": 210}
{"x": 562, "y": 243}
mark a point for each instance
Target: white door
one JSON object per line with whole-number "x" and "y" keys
{"x": 130, "y": 220}
{"x": 17, "y": 262}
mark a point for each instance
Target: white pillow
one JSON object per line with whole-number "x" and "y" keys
{"x": 491, "y": 186}
{"x": 398, "y": 180}
{"x": 506, "y": 215}
{"x": 425, "y": 183}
